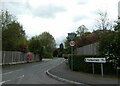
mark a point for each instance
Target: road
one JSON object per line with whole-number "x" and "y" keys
{"x": 30, "y": 73}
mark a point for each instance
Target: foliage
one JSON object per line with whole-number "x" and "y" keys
{"x": 81, "y": 30}
{"x": 103, "y": 22}
{"x": 5, "y": 18}
{"x": 55, "y": 52}
{"x": 110, "y": 45}
{"x": 36, "y": 47}
{"x": 48, "y": 43}
{"x": 13, "y": 35}
{"x": 13, "y": 38}
{"x": 80, "y": 65}
{"x": 67, "y": 46}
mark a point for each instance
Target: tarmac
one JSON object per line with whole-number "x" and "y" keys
{"x": 63, "y": 73}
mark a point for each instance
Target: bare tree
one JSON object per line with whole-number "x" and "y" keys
{"x": 103, "y": 22}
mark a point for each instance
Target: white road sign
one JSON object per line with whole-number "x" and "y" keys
{"x": 95, "y": 60}
{"x": 72, "y": 43}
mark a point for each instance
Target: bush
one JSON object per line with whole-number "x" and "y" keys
{"x": 80, "y": 65}
{"x": 65, "y": 56}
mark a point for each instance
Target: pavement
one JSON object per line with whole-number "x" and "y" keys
{"x": 63, "y": 73}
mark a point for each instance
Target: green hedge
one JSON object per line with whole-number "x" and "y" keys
{"x": 80, "y": 65}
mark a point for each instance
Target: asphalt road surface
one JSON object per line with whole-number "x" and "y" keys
{"x": 30, "y": 73}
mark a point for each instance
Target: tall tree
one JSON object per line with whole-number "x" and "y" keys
{"x": 35, "y": 46}
{"x": 5, "y": 19}
{"x": 13, "y": 35}
{"x": 81, "y": 30}
{"x": 103, "y": 22}
{"x": 48, "y": 43}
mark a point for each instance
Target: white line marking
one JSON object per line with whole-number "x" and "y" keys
{"x": 2, "y": 82}
{"x": 7, "y": 73}
{"x": 20, "y": 79}
{"x": 21, "y": 76}
{"x": 11, "y": 72}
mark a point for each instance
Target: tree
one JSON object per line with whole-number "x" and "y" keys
{"x": 13, "y": 35}
{"x": 48, "y": 43}
{"x": 67, "y": 46}
{"x": 81, "y": 30}
{"x": 36, "y": 47}
{"x": 5, "y": 19}
{"x": 110, "y": 43}
{"x": 107, "y": 44}
{"x": 103, "y": 22}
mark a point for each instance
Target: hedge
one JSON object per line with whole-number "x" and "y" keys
{"x": 80, "y": 65}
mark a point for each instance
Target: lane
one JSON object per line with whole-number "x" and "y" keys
{"x": 33, "y": 73}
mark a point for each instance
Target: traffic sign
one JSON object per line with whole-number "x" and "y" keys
{"x": 71, "y": 35}
{"x": 95, "y": 60}
{"x": 72, "y": 43}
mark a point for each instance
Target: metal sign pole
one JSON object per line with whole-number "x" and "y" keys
{"x": 72, "y": 44}
{"x": 72, "y": 58}
{"x": 93, "y": 68}
{"x": 102, "y": 69}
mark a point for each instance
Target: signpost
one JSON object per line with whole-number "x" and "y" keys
{"x": 96, "y": 60}
{"x": 72, "y": 44}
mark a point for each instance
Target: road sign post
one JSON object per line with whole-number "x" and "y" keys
{"x": 93, "y": 68}
{"x": 72, "y": 44}
{"x": 102, "y": 69}
{"x": 96, "y": 60}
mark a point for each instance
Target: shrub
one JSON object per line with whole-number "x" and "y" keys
{"x": 80, "y": 65}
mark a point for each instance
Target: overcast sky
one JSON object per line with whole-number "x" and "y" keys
{"x": 59, "y": 17}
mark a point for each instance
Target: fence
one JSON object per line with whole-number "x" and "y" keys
{"x": 13, "y": 57}
{"x": 88, "y": 49}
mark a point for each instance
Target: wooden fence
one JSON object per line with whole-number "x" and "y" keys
{"x": 88, "y": 49}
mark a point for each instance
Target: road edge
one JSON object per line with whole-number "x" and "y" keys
{"x": 62, "y": 79}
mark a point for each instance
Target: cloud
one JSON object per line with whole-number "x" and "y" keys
{"x": 47, "y": 11}
{"x": 79, "y": 18}
{"x": 82, "y": 2}
{"x": 58, "y": 16}
{"x": 15, "y": 7}
{"x": 25, "y": 7}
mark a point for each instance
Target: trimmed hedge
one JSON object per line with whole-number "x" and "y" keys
{"x": 80, "y": 65}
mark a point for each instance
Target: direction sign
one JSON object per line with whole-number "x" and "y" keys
{"x": 95, "y": 60}
{"x": 72, "y": 43}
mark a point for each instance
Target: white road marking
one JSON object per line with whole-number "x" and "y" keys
{"x": 11, "y": 72}
{"x": 20, "y": 78}
{"x": 2, "y": 82}
{"x": 7, "y": 73}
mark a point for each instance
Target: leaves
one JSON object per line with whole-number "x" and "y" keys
{"x": 13, "y": 35}
{"x": 44, "y": 44}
